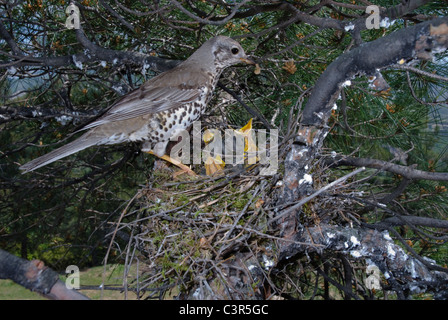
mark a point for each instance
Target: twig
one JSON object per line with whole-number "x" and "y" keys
{"x": 207, "y": 21}
{"x": 113, "y": 237}
{"x": 315, "y": 194}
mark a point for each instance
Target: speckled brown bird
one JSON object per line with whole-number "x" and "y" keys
{"x": 161, "y": 107}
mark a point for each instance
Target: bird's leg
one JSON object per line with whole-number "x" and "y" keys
{"x": 177, "y": 163}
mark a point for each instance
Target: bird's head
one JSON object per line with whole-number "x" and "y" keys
{"x": 228, "y": 52}
{"x": 225, "y": 52}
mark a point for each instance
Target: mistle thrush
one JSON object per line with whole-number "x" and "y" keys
{"x": 161, "y": 107}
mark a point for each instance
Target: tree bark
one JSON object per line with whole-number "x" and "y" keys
{"x": 405, "y": 271}
{"x": 403, "y": 46}
{"x": 35, "y": 276}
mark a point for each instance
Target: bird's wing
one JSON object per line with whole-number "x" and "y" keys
{"x": 166, "y": 91}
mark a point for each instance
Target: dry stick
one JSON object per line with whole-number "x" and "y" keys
{"x": 112, "y": 240}
{"x": 128, "y": 259}
{"x": 421, "y": 72}
{"x": 207, "y": 21}
{"x": 240, "y": 216}
{"x": 315, "y": 194}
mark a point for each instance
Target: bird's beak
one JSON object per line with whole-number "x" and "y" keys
{"x": 247, "y": 61}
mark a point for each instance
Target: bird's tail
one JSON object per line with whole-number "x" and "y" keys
{"x": 79, "y": 144}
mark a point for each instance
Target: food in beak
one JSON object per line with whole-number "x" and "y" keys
{"x": 248, "y": 61}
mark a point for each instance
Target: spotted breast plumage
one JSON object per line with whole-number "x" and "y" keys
{"x": 161, "y": 107}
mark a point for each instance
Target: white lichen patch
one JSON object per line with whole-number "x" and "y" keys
{"x": 354, "y": 241}
{"x": 349, "y": 27}
{"x": 307, "y": 178}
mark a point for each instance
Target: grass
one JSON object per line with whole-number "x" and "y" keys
{"x": 91, "y": 277}
{"x": 9, "y": 290}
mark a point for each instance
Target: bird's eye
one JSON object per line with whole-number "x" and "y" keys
{"x": 235, "y": 50}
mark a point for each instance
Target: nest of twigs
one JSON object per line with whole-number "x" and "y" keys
{"x": 184, "y": 230}
{"x": 186, "y": 227}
